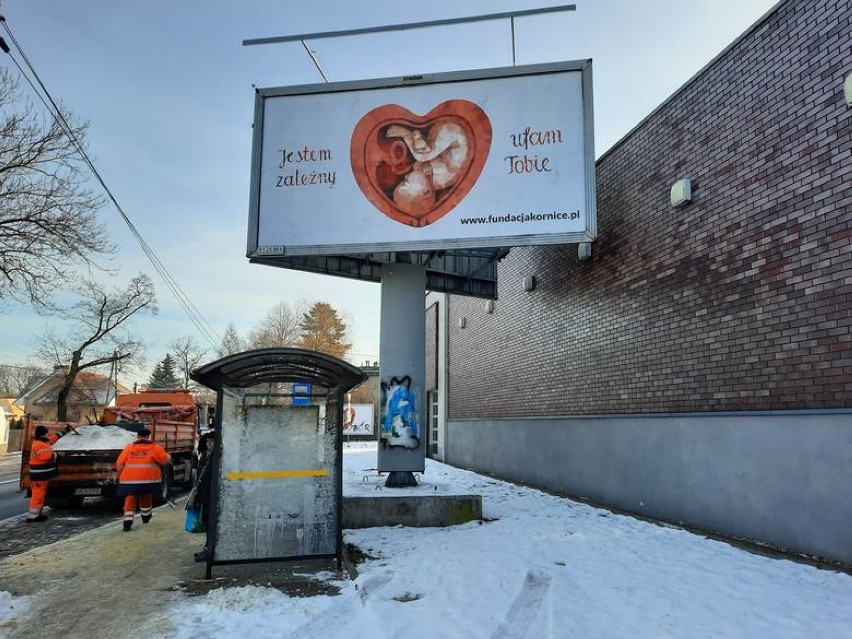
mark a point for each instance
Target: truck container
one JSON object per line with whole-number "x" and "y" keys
{"x": 86, "y": 455}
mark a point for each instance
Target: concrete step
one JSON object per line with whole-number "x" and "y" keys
{"x": 425, "y": 510}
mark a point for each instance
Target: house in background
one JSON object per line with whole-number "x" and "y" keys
{"x": 8, "y": 414}
{"x": 90, "y": 393}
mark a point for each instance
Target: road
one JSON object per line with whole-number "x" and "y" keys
{"x": 11, "y": 501}
{"x": 17, "y": 537}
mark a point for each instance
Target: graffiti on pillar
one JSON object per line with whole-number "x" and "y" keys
{"x": 399, "y": 414}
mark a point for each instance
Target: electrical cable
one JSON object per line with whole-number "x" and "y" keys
{"x": 201, "y": 324}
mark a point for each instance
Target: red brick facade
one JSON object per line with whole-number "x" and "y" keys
{"x": 741, "y": 300}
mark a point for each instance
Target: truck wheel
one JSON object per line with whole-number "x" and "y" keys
{"x": 165, "y": 488}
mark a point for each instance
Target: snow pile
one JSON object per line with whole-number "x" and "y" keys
{"x": 96, "y": 437}
{"x": 11, "y": 607}
{"x": 540, "y": 566}
{"x": 236, "y": 610}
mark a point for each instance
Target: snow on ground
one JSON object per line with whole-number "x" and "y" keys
{"x": 96, "y": 437}
{"x": 11, "y": 607}
{"x": 542, "y": 567}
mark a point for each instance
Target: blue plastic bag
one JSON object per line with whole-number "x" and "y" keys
{"x": 193, "y": 522}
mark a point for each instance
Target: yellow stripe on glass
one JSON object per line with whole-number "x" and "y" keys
{"x": 275, "y": 474}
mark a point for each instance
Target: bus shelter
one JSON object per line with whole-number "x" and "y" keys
{"x": 277, "y": 487}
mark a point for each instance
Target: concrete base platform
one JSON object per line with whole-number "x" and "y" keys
{"x": 411, "y": 510}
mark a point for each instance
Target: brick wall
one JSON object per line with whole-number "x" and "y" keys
{"x": 738, "y": 301}
{"x": 432, "y": 347}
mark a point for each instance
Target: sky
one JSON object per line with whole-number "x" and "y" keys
{"x": 538, "y": 566}
{"x": 167, "y": 88}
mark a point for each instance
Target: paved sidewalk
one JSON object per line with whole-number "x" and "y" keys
{"x": 108, "y": 584}
{"x": 102, "y": 582}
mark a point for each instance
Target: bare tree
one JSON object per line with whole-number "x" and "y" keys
{"x": 322, "y": 329}
{"x": 48, "y": 223}
{"x": 99, "y": 333}
{"x": 279, "y": 328}
{"x": 188, "y": 355}
{"x": 231, "y": 342}
{"x": 14, "y": 380}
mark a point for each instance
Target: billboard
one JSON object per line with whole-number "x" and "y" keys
{"x": 491, "y": 158}
{"x": 358, "y": 419}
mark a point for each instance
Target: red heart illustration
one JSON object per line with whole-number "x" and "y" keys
{"x": 416, "y": 169}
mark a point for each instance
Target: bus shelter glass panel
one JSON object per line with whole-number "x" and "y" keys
{"x": 277, "y": 480}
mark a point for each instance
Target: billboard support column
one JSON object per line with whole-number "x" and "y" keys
{"x": 402, "y": 368}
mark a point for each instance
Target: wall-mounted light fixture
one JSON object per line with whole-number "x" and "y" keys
{"x": 529, "y": 283}
{"x": 584, "y": 250}
{"x": 489, "y": 306}
{"x": 681, "y": 193}
{"x": 462, "y": 322}
{"x": 847, "y": 89}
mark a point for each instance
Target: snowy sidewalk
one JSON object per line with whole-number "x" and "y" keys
{"x": 540, "y": 566}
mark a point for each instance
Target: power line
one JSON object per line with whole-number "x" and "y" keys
{"x": 195, "y": 316}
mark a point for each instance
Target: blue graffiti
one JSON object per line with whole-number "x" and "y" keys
{"x": 399, "y": 422}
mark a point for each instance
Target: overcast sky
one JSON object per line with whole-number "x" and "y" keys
{"x": 167, "y": 89}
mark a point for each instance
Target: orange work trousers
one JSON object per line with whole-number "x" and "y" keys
{"x": 39, "y": 495}
{"x": 145, "y": 504}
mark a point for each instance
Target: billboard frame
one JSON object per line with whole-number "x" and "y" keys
{"x": 584, "y": 67}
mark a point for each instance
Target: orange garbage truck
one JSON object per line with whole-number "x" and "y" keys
{"x": 86, "y": 455}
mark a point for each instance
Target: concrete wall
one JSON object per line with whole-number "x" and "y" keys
{"x": 779, "y": 478}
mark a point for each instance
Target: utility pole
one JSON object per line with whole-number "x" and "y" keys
{"x": 113, "y": 373}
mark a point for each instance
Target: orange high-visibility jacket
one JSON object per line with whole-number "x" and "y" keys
{"x": 42, "y": 461}
{"x": 140, "y": 462}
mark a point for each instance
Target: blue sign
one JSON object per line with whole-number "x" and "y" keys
{"x": 301, "y": 394}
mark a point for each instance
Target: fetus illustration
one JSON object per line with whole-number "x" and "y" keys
{"x": 416, "y": 169}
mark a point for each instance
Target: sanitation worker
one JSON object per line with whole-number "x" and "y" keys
{"x": 52, "y": 438}
{"x": 140, "y": 474}
{"x": 42, "y": 469}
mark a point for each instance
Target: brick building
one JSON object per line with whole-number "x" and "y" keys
{"x": 698, "y": 367}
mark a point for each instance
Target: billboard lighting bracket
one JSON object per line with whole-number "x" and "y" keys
{"x": 511, "y": 15}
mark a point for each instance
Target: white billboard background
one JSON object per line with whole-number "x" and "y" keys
{"x": 358, "y": 419}
{"x": 334, "y": 211}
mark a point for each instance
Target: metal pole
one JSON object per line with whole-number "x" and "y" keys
{"x": 513, "y": 42}
{"x": 316, "y": 62}
{"x": 410, "y": 25}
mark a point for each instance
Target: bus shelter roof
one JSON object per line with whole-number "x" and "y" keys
{"x": 242, "y": 370}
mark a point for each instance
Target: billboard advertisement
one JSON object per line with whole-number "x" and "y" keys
{"x": 358, "y": 419}
{"x": 498, "y": 157}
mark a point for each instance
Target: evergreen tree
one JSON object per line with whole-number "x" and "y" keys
{"x": 164, "y": 374}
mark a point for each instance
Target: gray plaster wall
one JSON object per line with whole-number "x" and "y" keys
{"x": 781, "y": 478}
